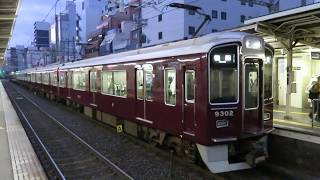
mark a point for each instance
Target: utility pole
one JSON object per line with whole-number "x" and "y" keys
{"x": 139, "y": 24}
{"x": 56, "y": 30}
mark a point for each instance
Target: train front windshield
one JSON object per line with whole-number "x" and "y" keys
{"x": 224, "y": 74}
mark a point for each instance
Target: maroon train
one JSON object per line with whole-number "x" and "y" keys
{"x": 209, "y": 96}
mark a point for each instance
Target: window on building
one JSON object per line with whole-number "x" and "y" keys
{"x": 93, "y": 79}
{"x": 192, "y": 30}
{"x": 214, "y": 30}
{"x": 160, "y": 18}
{"x": 114, "y": 83}
{"x": 223, "y": 15}
{"x": 243, "y": 2}
{"x": 251, "y": 3}
{"x": 82, "y": 5}
{"x": 191, "y": 12}
{"x": 242, "y": 18}
{"x": 214, "y": 14}
{"x": 160, "y": 35}
{"x": 170, "y": 86}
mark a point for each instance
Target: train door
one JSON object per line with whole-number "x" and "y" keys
{"x": 93, "y": 85}
{"x": 253, "y": 96}
{"x": 69, "y": 83}
{"x": 189, "y": 101}
{"x": 144, "y": 82}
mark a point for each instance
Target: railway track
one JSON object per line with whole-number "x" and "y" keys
{"x": 138, "y": 159}
{"x": 63, "y": 154}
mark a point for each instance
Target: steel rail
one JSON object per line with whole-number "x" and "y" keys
{"x": 56, "y": 167}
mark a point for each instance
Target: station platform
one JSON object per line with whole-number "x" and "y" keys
{"x": 300, "y": 119}
{"x": 17, "y": 157}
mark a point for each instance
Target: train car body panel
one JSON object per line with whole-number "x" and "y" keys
{"x": 209, "y": 91}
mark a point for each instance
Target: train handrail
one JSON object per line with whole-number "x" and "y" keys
{"x": 315, "y": 111}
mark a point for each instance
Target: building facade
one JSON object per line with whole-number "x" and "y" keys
{"x": 41, "y": 34}
{"x": 90, "y": 14}
{"x": 17, "y": 58}
{"x": 63, "y": 35}
{"x": 161, "y": 23}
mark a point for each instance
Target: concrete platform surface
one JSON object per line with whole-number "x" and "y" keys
{"x": 18, "y": 160}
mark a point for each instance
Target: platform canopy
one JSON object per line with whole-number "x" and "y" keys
{"x": 287, "y": 30}
{"x": 301, "y": 25}
{"x": 8, "y": 11}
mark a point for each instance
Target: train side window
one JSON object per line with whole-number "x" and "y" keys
{"x": 114, "y": 83}
{"x": 140, "y": 85}
{"x": 170, "y": 86}
{"x": 79, "y": 80}
{"x": 62, "y": 79}
{"x": 69, "y": 79}
{"x": 107, "y": 82}
{"x": 33, "y": 78}
{"x": 45, "y": 78}
{"x": 38, "y": 77}
{"x": 148, "y": 84}
{"x": 189, "y": 85}
{"x": 93, "y": 79}
{"x": 53, "y": 78}
{"x": 120, "y": 83}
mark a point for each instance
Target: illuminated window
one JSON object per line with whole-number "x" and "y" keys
{"x": 45, "y": 78}
{"x": 114, "y": 83}
{"x": 79, "y": 80}
{"x": 93, "y": 79}
{"x": 53, "y": 78}
{"x": 140, "y": 84}
{"x": 69, "y": 74}
{"x": 170, "y": 86}
{"x": 62, "y": 79}
{"x": 189, "y": 85}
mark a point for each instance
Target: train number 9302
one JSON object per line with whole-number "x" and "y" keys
{"x": 228, "y": 113}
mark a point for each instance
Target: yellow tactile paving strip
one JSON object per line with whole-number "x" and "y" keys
{"x": 25, "y": 164}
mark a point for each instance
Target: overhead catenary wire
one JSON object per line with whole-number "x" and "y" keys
{"x": 53, "y": 7}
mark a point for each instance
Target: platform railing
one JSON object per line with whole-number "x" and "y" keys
{"x": 315, "y": 111}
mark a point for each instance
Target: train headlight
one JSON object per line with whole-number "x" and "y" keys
{"x": 253, "y": 43}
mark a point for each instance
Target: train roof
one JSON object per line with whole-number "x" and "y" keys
{"x": 201, "y": 44}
